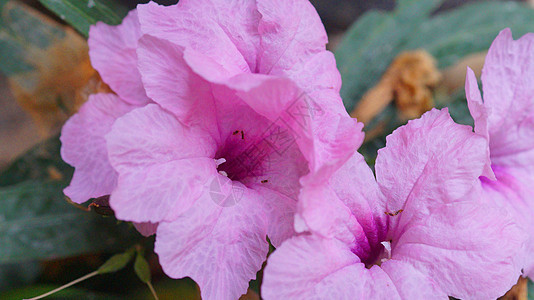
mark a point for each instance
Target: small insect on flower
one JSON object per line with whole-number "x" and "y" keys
{"x": 239, "y": 131}
{"x": 101, "y": 206}
{"x": 395, "y": 213}
{"x": 264, "y": 181}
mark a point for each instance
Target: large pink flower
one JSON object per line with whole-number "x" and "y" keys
{"x": 421, "y": 232}
{"x": 246, "y": 111}
{"x": 506, "y": 118}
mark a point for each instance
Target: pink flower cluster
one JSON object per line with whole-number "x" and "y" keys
{"x": 226, "y": 132}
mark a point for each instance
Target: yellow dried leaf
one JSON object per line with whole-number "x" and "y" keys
{"x": 518, "y": 291}
{"x": 60, "y": 76}
{"x": 454, "y": 76}
{"x": 250, "y": 295}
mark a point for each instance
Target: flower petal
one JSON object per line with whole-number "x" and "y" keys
{"x": 318, "y": 72}
{"x": 173, "y": 85}
{"x": 410, "y": 282}
{"x": 428, "y": 162}
{"x": 163, "y": 191}
{"x": 349, "y": 207}
{"x": 146, "y": 229}
{"x": 309, "y": 267}
{"x": 112, "y": 53}
{"x": 479, "y": 113}
{"x": 507, "y": 117}
{"x": 327, "y": 139}
{"x": 355, "y": 185}
{"x": 168, "y": 80}
{"x": 288, "y": 41}
{"x": 220, "y": 248}
{"x": 280, "y": 213}
{"x": 457, "y": 240}
{"x": 150, "y": 135}
{"x": 162, "y": 165}
{"x": 279, "y": 186}
{"x": 84, "y": 147}
{"x": 327, "y": 135}
{"x": 509, "y": 98}
{"x": 322, "y": 212}
{"x": 222, "y": 30}
{"x": 512, "y": 191}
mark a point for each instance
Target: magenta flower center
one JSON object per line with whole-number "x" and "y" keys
{"x": 239, "y": 158}
{"x": 381, "y": 254}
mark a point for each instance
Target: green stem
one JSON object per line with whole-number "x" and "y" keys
{"x": 152, "y": 290}
{"x": 66, "y": 285}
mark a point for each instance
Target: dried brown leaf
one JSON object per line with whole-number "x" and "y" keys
{"x": 408, "y": 81}
{"x": 518, "y": 291}
{"x": 250, "y": 295}
{"x": 454, "y": 76}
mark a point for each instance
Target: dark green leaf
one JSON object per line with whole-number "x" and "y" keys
{"x": 83, "y": 13}
{"x": 70, "y": 293}
{"x": 457, "y": 105}
{"x": 372, "y": 42}
{"x": 471, "y": 28}
{"x": 116, "y": 262}
{"x": 141, "y": 268}
{"x": 37, "y": 223}
{"x": 19, "y": 274}
{"x": 530, "y": 290}
{"x": 416, "y": 8}
{"x": 365, "y": 53}
{"x": 185, "y": 287}
{"x": 37, "y": 164}
{"x": 21, "y": 29}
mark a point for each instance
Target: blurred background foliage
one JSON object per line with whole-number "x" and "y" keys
{"x": 397, "y": 59}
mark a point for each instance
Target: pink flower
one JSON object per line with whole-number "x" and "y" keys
{"x": 421, "y": 232}
{"x": 506, "y": 119}
{"x": 112, "y": 53}
{"x": 246, "y": 111}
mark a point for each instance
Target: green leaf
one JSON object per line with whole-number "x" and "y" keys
{"x": 457, "y": 105}
{"x": 365, "y": 53}
{"x": 141, "y": 268}
{"x": 471, "y": 28}
{"x": 378, "y": 37}
{"x": 116, "y": 262}
{"x": 37, "y": 223}
{"x": 17, "y": 275}
{"x": 70, "y": 293}
{"x": 417, "y": 8}
{"x": 185, "y": 287}
{"x": 371, "y": 44}
{"x": 83, "y": 13}
{"x": 530, "y": 290}
{"x": 37, "y": 164}
{"x": 22, "y": 29}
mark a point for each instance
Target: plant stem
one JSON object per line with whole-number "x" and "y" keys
{"x": 66, "y": 285}
{"x": 152, "y": 290}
